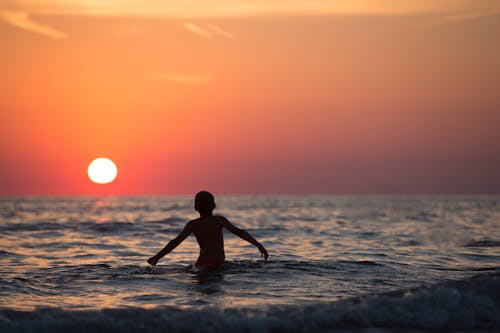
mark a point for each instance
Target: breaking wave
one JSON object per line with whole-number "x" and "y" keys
{"x": 468, "y": 305}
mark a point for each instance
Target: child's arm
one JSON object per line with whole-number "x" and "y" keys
{"x": 244, "y": 235}
{"x": 171, "y": 245}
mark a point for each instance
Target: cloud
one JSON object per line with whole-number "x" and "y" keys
{"x": 461, "y": 17}
{"x": 209, "y": 31}
{"x": 197, "y": 30}
{"x": 184, "y": 78}
{"x": 23, "y": 21}
{"x": 219, "y": 31}
{"x": 197, "y": 9}
{"x": 470, "y": 16}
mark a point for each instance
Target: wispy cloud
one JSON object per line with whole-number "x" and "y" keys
{"x": 184, "y": 78}
{"x": 461, "y": 17}
{"x": 196, "y": 9}
{"x": 471, "y": 16}
{"x": 219, "y": 31}
{"x": 207, "y": 31}
{"x": 22, "y": 20}
{"x": 197, "y": 30}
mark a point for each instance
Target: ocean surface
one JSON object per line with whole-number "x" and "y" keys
{"x": 336, "y": 264}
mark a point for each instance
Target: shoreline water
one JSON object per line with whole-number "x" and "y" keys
{"x": 452, "y": 306}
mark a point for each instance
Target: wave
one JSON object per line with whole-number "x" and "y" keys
{"x": 4, "y": 253}
{"x": 483, "y": 243}
{"x": 469, "y": 305}
{"x": 95, "y": 225}
{"x": 41, "y": 226}
{"x": 81, "y": 226}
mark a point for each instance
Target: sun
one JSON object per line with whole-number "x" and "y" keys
{"x": 102, "y": 170}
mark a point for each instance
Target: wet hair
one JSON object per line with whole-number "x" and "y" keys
{"x": 204, "y": 202}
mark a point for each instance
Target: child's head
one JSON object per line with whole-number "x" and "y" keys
{"x": 204, "y": 202}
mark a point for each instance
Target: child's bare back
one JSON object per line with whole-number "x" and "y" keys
{"x": 208, "y": 231}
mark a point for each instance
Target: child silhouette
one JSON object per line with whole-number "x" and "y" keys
{"x": 208, "y": 231}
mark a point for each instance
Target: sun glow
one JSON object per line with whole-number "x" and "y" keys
{"x": 102, "y": 171}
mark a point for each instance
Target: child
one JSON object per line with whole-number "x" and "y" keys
{"x": 208, "y": 231}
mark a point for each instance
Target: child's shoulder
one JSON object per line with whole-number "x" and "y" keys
{"x": 214, "y": 217}
{"x": 221, "y": 217}
{"x": 194, "y": 221}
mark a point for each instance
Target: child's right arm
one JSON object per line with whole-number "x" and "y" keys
{"x": 171, "y": 245}
{"x": 244, "y": 235}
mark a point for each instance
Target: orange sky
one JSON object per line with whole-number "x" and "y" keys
{"x": 336, "y": 97}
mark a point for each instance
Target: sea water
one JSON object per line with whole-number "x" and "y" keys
{"x": 347, "y": 264}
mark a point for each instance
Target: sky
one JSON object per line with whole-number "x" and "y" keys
{"x": 250, "y": 96}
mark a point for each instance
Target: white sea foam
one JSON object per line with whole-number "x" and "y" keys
{"x": 468, "y": 305}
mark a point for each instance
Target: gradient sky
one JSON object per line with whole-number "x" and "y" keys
{"x": 250, "y": 96}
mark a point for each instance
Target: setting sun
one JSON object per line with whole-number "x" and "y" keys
{"x": 102, "y": 171}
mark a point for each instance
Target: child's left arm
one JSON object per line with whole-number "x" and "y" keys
{"x": 244, "y": 235}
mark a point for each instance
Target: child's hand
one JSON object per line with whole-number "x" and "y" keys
{"x": 263, "y": 252}
{"x": 152, "y": 261}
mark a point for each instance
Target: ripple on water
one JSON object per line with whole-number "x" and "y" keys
{"x": 483, "y": 243}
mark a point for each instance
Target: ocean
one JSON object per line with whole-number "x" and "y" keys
{"x": 336, "y": 264}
